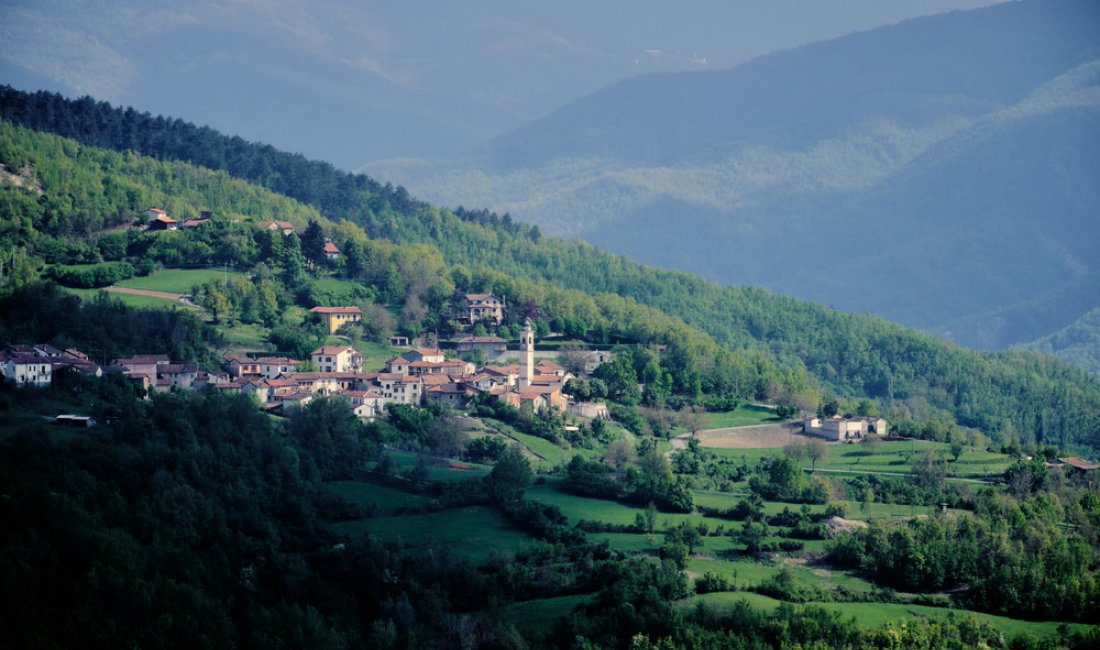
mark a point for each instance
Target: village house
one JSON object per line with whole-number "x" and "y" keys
{"x": 594, "y": 359}
{"x": 399, "y": 365}
{"x": 331, "y": 251}
{"x": 144, "y": 365}
{"x": 28, "y": 370}
{"x": 481, "y": 307}
{"x": 365, "y": 404}
{"x": 453, "y": 367}
{"x": 178, "y": 375}
{"x": 337, "y": 317}
{"x": 272, "y": 367}
{"x": 493, "y": 348}
{"x": 39, "y": 364}
{"x": 336, "y": 358}
{"x": 284, "y": 227}
{"x": 454, "y": 395}
{"x": 242, "y": 367}
{"x": 431, "y": 355}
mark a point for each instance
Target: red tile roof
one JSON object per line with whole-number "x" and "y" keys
{"x": 335, "y": 310}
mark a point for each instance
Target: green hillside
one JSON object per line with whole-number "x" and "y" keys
{"x": 944, "y": 190}
{"x": 197, "y": 518}
{"x": 1078, "y": 343}
{"x": 910, "y": 374}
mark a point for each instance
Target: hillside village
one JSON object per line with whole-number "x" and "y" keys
{"x": 416, "y": 377}
{"x": 316, "y": 415}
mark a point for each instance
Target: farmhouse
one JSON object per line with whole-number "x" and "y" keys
{"x": 163, "y": 222}
{"x": 432, "y": 355}
{"x": 337, "y": 317}
{"x": 838, "y": 428}
{"x": 332, "y": 252}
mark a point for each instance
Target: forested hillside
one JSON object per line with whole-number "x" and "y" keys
{"x": 1039, "y": 398}
{"x": 938, "y": 172}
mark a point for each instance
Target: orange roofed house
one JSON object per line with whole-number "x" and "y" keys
{"x": 336, "y": 317}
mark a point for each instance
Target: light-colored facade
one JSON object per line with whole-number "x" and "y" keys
{"x": 336, "y": 358}
{"x": 337, "y": 317}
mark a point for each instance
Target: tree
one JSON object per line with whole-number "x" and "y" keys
{"x": 620, "y": 453}
{"x": 752, "y": 535}
{"x": 957, "y": 448}
{"x": 871, "y": 443}
{"x": 313, "y": 243}
{"x": 693, "y": 419}
{"x": 510, "y": 477}
{"x": 816, "y": 450}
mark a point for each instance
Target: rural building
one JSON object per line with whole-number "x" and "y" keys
{"x": 284, "y": 227}
{"x": 272, "y": 367}
{"x": 337, "y": 317}
{"x": 163, "y": 222}
{"x": 838, "y": 428}
{"x": 332, "y": 252}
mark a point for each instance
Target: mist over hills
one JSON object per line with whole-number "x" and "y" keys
{"x": 939, "y": 172}
{"x": 349, "y": 82}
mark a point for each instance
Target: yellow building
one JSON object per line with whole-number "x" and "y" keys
{"x": 336, "y": 317}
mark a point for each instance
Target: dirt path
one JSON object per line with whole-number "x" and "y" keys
{"x": 178, "y": 297}
{"x": 750, "y": 437}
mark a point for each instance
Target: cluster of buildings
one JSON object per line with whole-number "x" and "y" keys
{"x": 416, "y": 377}
{"x": 35, "y": 365}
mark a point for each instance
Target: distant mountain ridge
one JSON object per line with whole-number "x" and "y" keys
{"x": 939, "y": 172}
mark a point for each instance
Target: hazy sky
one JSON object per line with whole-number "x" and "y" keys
{"x": 357, "y": 81}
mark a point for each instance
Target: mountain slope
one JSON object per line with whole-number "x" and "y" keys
{"x": 917, "y": 375}
{"x": 931, "y": 172}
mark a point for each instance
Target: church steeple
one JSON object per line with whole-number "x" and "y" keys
{"x": 527, "y": 345}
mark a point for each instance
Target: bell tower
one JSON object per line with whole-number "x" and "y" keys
{"x": 527, "y": 345}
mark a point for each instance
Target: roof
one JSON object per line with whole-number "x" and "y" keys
{"x": 428, "y": 352}
{"x": 177, "y": 368}
{"x": 276, "y": 361}
{"x": 478, "y": 297}
{"x": 163, "y": 218}
{"x": 550, "y": 365}
{"x": 332, "y": 349}
{"x": 482, "y": 339}
{"x": 331, "y": 247}
{"x": 272, "y": 225}
{"x": 1079, "y": 463}
{"x": 335, "y": 310}
{"x": 156, "y": 210}
{"x": 397, "y": 360}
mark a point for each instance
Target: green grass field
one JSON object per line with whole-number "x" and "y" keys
{"x": 889, "y": 457}
{"x": 539, "y": 615}
{"x": 872, "y": 615}
{"x": 743, "y": 416}
{"x": 128, "y": 299}
{"x": 370, "y": 495}
{"x": 472, "y": 532}
{"x": 178, "y": 280}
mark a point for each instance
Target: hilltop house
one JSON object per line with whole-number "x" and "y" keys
{"x": 336, "y": 317}
{"x": 481, "y": 307}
